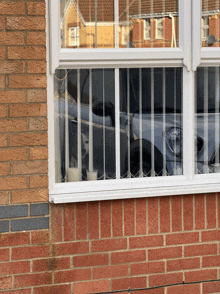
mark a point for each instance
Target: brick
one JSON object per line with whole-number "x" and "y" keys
{"x": 90, "y": 260}
{"x": 129, "y": 217}
{"x": 90, "y": 287}
{"x": 13, "y": 211}
{"x": 211, "y": 261}
{"x": 152, "y": 291}
{"x": 14, "y": 239}
{"x": 13, "y": 154}
{"x": 211, "y": 210}
{"x": 183, "y": 264}
{"x": 152, "y": 215}
{"x": 30, "y": 224}
{"x": 128, "y": 256}
{"x": 36, "y": 96}
{"x": 93, "y": 220}
{"x": 2, "y": 82}
{"x": 184, "y": 289}
{"x": 4, "y": 226}
{"x": 53, "y": 289}
{"x": 105, "y": 219}
{"x": 196, "y": 250}
{"x": 147, "y": 268}
{"x": 36, "y": 38}
{"x": 43, "y": 265}
{"x": 5, "y": 282}
{"x": 40, "y": 237}
{"x": 32, "y": 280}
{"x": 38, "y": 181}
{"x": 4, "y": 197}
{"x": 212, "y": 287}
{"x": 109, "y": 245}
{"x": 132, "y": 283}
{"x": 117, "y": 218}
{"x": 176, "y": 213}
{"x": 3, "y": 140}
{"x": 2, "y": 52}
{"x": 72, "y": 248}
{"x": 9, "y": 67}
{"x": 12, "y": 38}
{"x": 146, "y": 241}
{"x": 19, "y": 253}
{"x": 69, "y": 221}
{"x": 2, "y": 22}
{"x": 12, "y": 96}
{"x": 11, "y": 7}
{"x": 37, "y": 153}
{"x": 72, "y": 276}
{"x": 28, "y": 139}
{"x": 28, "y": 81}
{"x": 182, "y": 238}
{"x": 14, "y": 267}
{"x": 36, "y": 66}
{"x": 218, "y": 203}
{"x": 26, "y": 23}
{"x": 39, "y": 209}
{"x": 213, "y": 235}
{"x": 141, "y": 212}
{"x": 56, "y": 223}
{"x": 165, "y": 214}
{"x": 3, "y": 110}
{"x": 38, "y": 124}
{"x": 29, "y": 167}
{"x": 20, "y": 291}
{"x": 13, "y": 183}
{"x": 199, "y": 211}
{"x": 188, "y": 212}
{"x": 81, "y": 221}
{"x": 165, "y": 279}
{"x": 200, "y": 275}
{"x": 13, "y": 125}
{"x": 36, "y": 8}
{"x": 27, "y": 110}
{"x": 164, "y": 253}
{"x": 4, "y": 254}
{"x": 35, "y": 195}
{"x": 3, "y": 172}
{"x": 110, "y": 271}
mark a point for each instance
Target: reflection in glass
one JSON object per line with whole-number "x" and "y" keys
{"x": 210, "y": 23}
{"x": 119, "y": 23}
{"x": 207, "y": 120}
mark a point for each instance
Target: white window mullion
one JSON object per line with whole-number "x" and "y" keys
{"x": 164, "y": 122}
{"x": 66, "y": 129}
{"x": 116, "y": 13}
{"x": 217, "y": 119}
{"x": 128, "y": 124}
{"x": 90, "y": 124}
{"x": 79, "y": 148}
{"x": 206, "y": 122}
{"x": 140, "y": 124}
{"x": 152, "y": 124}
{"x": 117, "y": 124}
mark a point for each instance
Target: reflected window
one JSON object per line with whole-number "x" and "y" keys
{"x": 159, "y": 28}
{"x": 74, "y": 36}
{"x": 124, "y": 35}
{"x": 205, "y": 27}
{"x": 146, "y": 29}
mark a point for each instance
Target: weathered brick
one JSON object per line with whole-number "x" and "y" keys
{"x": 199, "y": 211}
{"x": 3, "y": 172}
{"x": 40, "y": 237}
{"x": 2, "y": 82}
{"x": 69, "y": 220}
{"x": 146, "y": 241}
{"x": 13, "y": 183}
{"x": 20, "y": 291}
{"x": 176, "y": 213}
{"x": 90, "y": 287}
{"x": 184, "y": 289}
{"x": 211, "y": 210}
{"x": 90, "y": 260}
{"x": 28, "y": 110}
{"x": 13, "y": 125}
{"x": 29, "y": 167}
{"x": 53, "y": 289}
{"x": 12, "y": 96}
{"x": 48, "y": 264}
{"x": 211, "y": 261}
{"x": 26, "y": 23}
{"x": 14, "y": 239}
{"x": 5, "y": 282}
{"x": 14, "y": 267}
{"x": 128, "y": 256}
{"x": 4, "y": 197}
{"x": 4, "y": 254}
{"x": 36, "y": 67}
{"x": 38, "y": 181}
{"x": 3, "y": 140}
{"x": 141, "y": 215}
{"x": 9, "y": 67}
{"x": 165, "y": 279}
{"x": 188, "y": 212}
{"x": 152, "y": 215}
{"x": 204, "y": 249}
{"x": 210, "y": 235}
{"x": 12, "y": 154}
{"x": 38, "y": 124}
{"x": 28, "y": 139}
{"x": 147, "y": 268}
{"x": 182, "y": 238}
{"x": 2, "y": 22}
{"x": 12, "y": 38}
{"x": 37, "y": 96}
{"x": 110, "y": 271}
{"x": 32, "y": 280}
{"x": 109, "y": 245}
{"x": 105, "y": 219}
{"x": 161, "y": 253}
{"x": 34, "y": 195}
{"x": 165, "y": 214}
{"x": 117, "y": 218}
{"x": 28, "y": 81}
{"x": 2, "y": 52}
{"x": 183, "y": 264}
{"x": 129, "y": 217}
{"x": 36, "y": 8}
{"x": 201, "y": 275}
{"x": 125, "y": 283}
{"x": 81, "y": 221}
{"x": 36, "y": 38}
{"x": 212, "y": 287}
{"x": 26, "y": 52}
{"x": 56, "y": 223}
{"x": 37, "y": 153}
{"x": 93, "y": 219}
{"x": 12, "y": 7}
{"x": 73, "y": 248}
{"x": 3, "y": 110}
{"x": 72, "y": 276}
{"x": 19, "y": 253}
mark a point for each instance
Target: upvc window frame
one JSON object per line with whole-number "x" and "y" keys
{"x": 189, "y": 55}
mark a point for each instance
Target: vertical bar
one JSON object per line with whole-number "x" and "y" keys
{"x": 117, "y": 124}
{"x": 66, "y": 128}
{"x": 79, "y": 148}
{"x": 163, "y": 25}
{"x": 140, "y": 123}
{"x": 129, "y": 123}
{"x": 116, "y": 13}
{"x": 217, "y": 117}
{"x": 175, "y": 117}
{"x": 196, "y": 124}
{"x": 140, "y": 24}
{"x": 90, "y": 123}
{"x": 103, "y": 122}
{"x": 152, "y": 22}
{"x": 95, "y": 23}
{"x": 206, "y": 145}
{"x": 164, "y": 122}
{"x": 152, "y": 125}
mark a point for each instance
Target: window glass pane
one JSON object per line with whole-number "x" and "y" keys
{"x": 151, "y": 122}
{"x": 119, "y": 23}
{"x": 207, "y": 117}
{"x": 210, "y": 23}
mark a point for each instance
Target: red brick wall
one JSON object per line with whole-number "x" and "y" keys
{"x": 90, "y": 247}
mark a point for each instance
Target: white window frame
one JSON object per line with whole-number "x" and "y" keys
{"x": 159, "y": 27}
{"x": 147, "y": 29}
{"x": 188, "y": 55}
{"x": 76, "y": 40}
